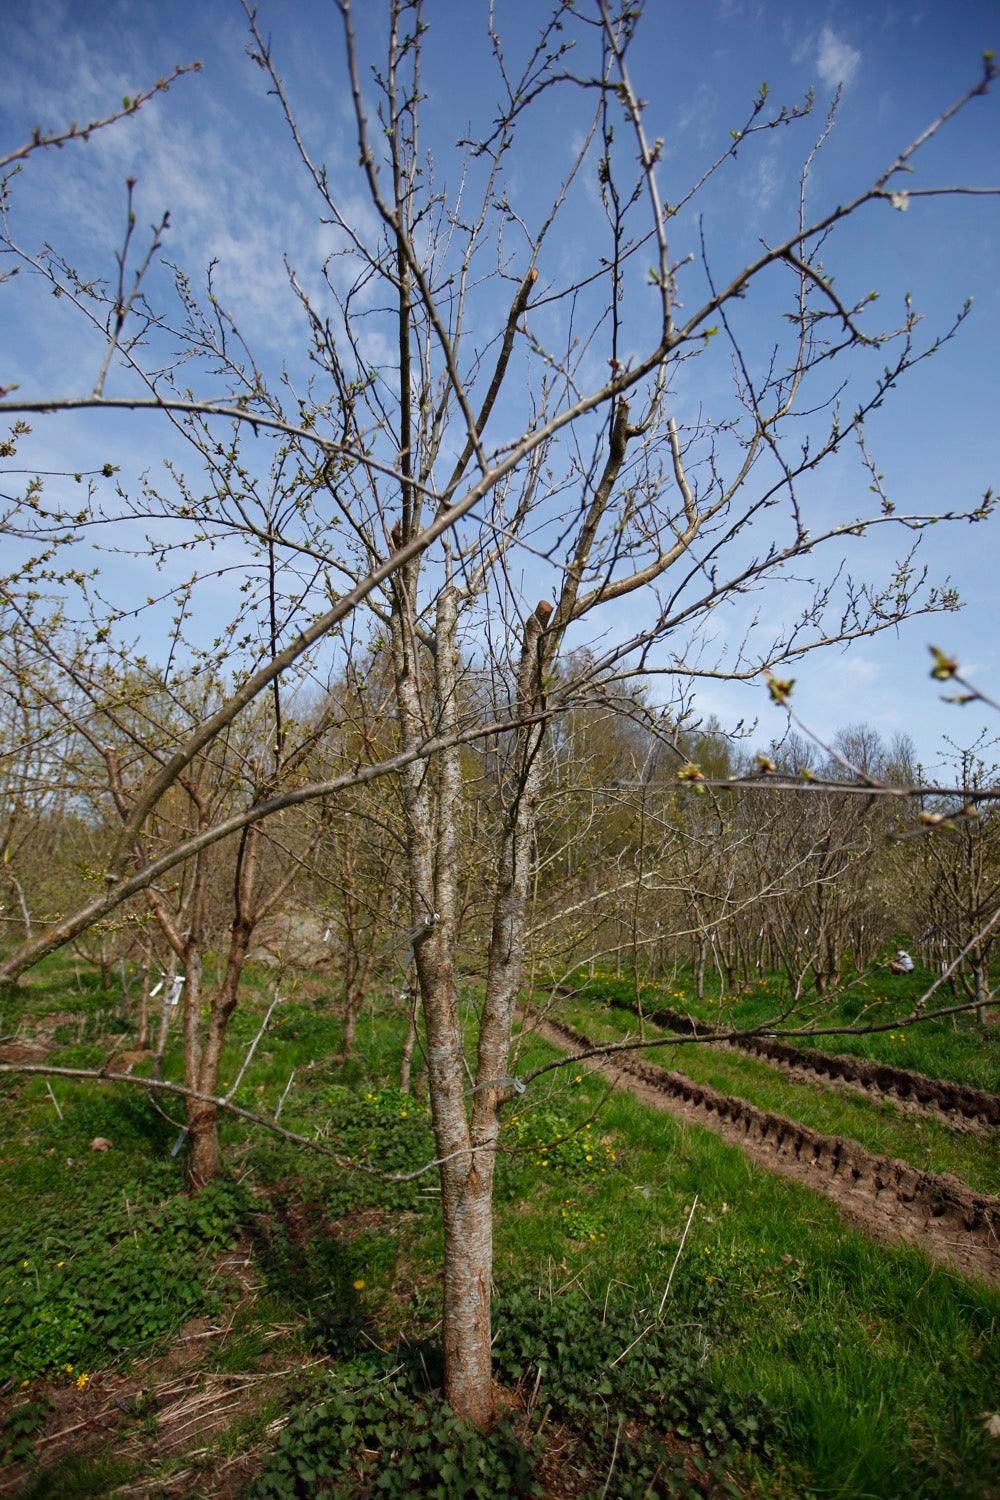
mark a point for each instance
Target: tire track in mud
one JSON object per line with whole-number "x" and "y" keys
{"x": 959, "y": 1106}
{"x": 887, "y": 1198}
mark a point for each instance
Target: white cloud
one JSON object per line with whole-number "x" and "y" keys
{"x": 702, "y": 113}
{"x": 838, "y": 62}
{"x": 759, "y": 186}
{"x": 768, "y": 180}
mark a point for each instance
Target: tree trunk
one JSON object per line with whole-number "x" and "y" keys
{"x": 466, "y": 1196}
{"x": 352, "y": 1007}
{"x": 142, "y": 1035}
{"x": 105, "y": 964}
{"x": 698, "y": 956}
{"x": 167, "y": 1005}
{"x": 467, "y": 1202}
{"x": 204, "y": 1161}
{"x": 982, "y": 992}
{"x": 203, "y": 1135}
{"x": 406, "y": 1062}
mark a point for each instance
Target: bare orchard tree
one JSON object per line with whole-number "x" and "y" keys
{"x": 499, "y": 460}
{"x": 227, "y": 889}
{"x": 619, "y": 510}
{"x": 103, "y": 725}
{"x": 356, "y": 878}
{"x": 41, "y": 834}
{"x": 955, "y": 887}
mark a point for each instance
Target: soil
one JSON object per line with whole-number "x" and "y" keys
{"x": 887, "y": 1198}
{"x": 962, "y": 1107}
{"x": 23, "y": 1052}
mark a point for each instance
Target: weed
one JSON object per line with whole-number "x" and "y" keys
{"x": 81, "y": 1286}
{"x": 599, "y": 1366}
{"x": 793, "y": 1354}
{"x": 376, "y": 1433}
{"x": 582, "y": 1224}
{"x": 75, "y": 1478}
{"x": 309, "y": 1262}
{"x": 18, "y": 1433}
{"x": 544, "y": 1140}
{"x": 381, "y": 1129}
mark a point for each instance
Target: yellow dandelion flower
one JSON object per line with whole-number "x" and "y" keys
{"x": 81, "y": 1381}
{"x": 359, "y": 1286}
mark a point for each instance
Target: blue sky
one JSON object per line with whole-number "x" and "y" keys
{"x": 214, "y": 153}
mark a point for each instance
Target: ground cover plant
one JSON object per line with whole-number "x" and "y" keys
{"x": 670, "y": 1321}
{"x": 101, "y": 1252}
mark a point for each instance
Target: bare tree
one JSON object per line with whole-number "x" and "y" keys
{"x": 517, "y": 475}
{"x": 356, "y": 874}
{"x": 957, "y": 884}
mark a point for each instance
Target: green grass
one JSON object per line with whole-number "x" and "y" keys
{"x": 951, "y": 1047}
{"x": 879, "y": 1364}
{"x": 792, "y": 1352}
{"x": 878, "y": 1126}
{"x": 75, "y": 1478}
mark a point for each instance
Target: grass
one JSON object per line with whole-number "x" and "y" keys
{"x": 792, "y": 1354}
{"x": 878, "y": 1364}
{"x": 877, "y": 1126}
{"x": 80, "y": 1477}
{"x": 950, "y": 1047}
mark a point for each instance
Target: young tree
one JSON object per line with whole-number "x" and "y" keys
{"x": 355, "y": 876}
{"x": 498, "y": 459}
{"x": 954, "y": 888}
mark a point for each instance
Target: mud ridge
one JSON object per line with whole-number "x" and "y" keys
{"x": 960, "y": 1104}
{"x": 886, "y": 1197}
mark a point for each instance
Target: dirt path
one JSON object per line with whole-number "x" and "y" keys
{"x": 887, "y": 1198}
